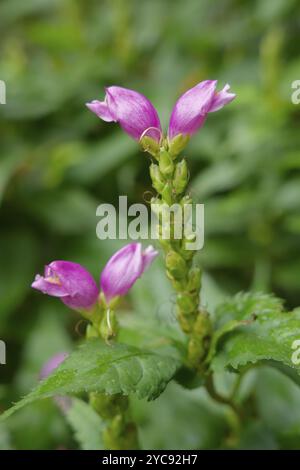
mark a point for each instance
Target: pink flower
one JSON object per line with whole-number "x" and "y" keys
{"x": 71, "y": 282}
{"x": 124, "y": 268}
{"x": 138, "y": 117}
{"x": 133, "y": 111}
{"x": 191, "y": 109}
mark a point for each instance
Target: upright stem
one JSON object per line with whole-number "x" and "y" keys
{"x": 170, "y": 179}
{"x": 120, "y": 432}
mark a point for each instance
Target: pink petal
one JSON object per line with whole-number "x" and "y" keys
{"x": 221, "y": 98}
{"x": 101, "y": 109}
{"x": 191, "y": 108}
{"x": 132, "y": 110}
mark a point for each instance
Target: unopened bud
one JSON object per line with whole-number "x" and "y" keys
{"x": 176, "y": 265}
{"x": 166, "y": 194}
{"x": 194, "y": 280}
{"x": 150, "y": 145}
{"x": 199, "y": 342}
{"x": 186, "y": 303}
{"x": 177, "y": 144}
{"x": 158, "y": 181}
{"x": 181, "y": 177}
{"x": 166, "y": 164}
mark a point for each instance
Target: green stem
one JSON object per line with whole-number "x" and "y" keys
{"x": 120, "y": 432}
{"x": 170, "y": 179}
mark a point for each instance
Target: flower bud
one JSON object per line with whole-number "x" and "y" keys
{"x": 186, "y": 303}
{"x": 150, "y": 145}
{"x": 157, "y": 178}
{"x": 200, "y": 339}
{"x": 176, "y": 265}
{"x": 167, "y": 195}
{"x": 166, "y": 164}
{"x": 177, "y": 144}
{"x": 194, "y": 280}
{"x": 181, "y": 177}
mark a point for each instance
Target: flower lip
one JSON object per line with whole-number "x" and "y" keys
{"x": 221, "y": 98}
{"x": 101, "y": 109}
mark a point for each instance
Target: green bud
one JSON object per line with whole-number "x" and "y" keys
{"x": 176, "y": 265}
{"x": 158, "y": 181}
{"x": 150, "y": 145}
{"x": 166, "y": 164}
{"x": 199, "y": 342}
{"x": 181, "y": 177}
{"x": 186, "y": 321}
{"x": 177, "y": 144}
{"x": 187, "y": 303}
{"x": 194, "y": 280}
{"x": 189, "y": 254}
{"x": 167, "y": 195}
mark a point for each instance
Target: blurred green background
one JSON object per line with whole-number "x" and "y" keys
{"x": 58, "y": 162}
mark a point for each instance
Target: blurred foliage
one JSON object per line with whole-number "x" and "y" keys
{"x": 58, "y": 162}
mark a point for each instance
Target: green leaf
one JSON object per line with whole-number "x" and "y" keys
{"x": 98, "y": 367}
{"x": 268, "y": 336}
{"x": 86, "y": 424}
{"x": 243, "y": 306}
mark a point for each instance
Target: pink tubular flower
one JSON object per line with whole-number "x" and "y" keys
{"x": 69, "y": 281}
{"x": 138, "y": 117}
{"x": 124, "y": 268}
{"x": 133, "y": 111}
{"x": 191, "y": 109}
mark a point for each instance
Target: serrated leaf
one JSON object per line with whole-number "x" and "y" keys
{"x": 111, "y": 369}
{"x": 270, "y": 336}
{"x": 86, "y": 425}
{"x": 245, "y": 305}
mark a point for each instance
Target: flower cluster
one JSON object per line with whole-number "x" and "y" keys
{"x": 138, "y": 117}
{"x": 169, "y": 174}
{"x": 76, "y": 287}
